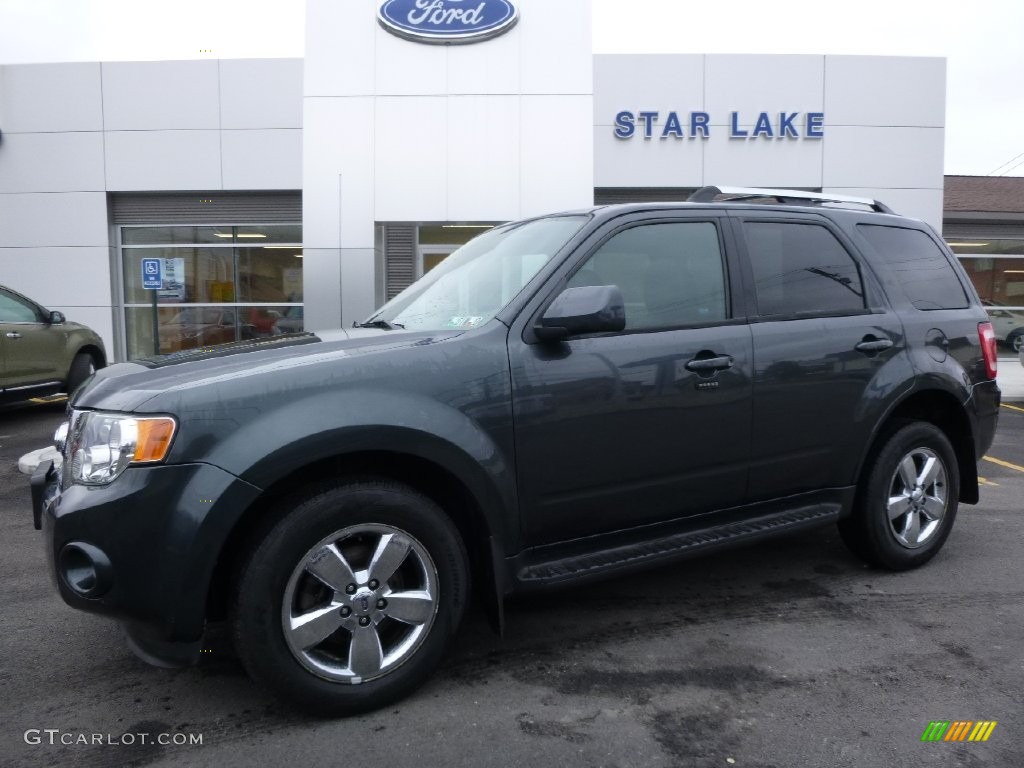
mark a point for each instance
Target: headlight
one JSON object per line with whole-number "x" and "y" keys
{"x": 100, "y": 446}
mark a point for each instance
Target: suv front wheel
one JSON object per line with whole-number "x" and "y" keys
{"x": 907, "y": 500}
{"x": 348, "y": 603}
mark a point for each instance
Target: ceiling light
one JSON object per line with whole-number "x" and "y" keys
{"x": 221, "y": 234}
{"x": 1013, "y": 271}
{"x": 966, "y": 245}
{"x": 467, "y": 226}
{"x": 250, "y": 234}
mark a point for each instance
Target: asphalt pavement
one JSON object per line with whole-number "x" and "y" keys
{"x": 788, "y": 654}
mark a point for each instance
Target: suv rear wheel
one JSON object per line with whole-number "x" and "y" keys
{"x": 349, "y": 602}
{"x": 908, "y": 499}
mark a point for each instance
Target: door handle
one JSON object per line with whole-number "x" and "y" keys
{"x": 703, "y": 365}
{"x": 872, "y": 345}
{"x": 13, "y": 335}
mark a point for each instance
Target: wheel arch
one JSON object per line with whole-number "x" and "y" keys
{"x": 432, "y": 479}
{"x": 95, "y": 351}
{"x": 943, "y": 410}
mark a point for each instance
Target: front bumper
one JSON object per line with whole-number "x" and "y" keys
{"x": 143, "y": 548}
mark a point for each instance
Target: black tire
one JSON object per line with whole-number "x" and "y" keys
{"x": 82, "y": 367}
{"x": 895, "y": 544}
{"x": 348, "y": 517}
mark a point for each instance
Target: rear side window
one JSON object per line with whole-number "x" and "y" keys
{"x": 801, "y": 269}
{"x": 919, "y": 265}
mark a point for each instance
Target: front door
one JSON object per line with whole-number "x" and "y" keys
{"x": 32, "y": 349}
{"x": 649, "y": 424}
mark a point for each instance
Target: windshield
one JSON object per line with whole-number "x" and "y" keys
{"x": 473, "y": 284}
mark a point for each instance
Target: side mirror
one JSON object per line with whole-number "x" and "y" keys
{"x": 56, "y": 318}
{"x": 587, "y": 309}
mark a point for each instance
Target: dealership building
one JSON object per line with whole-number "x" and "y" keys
{"x": 274, "y": 194}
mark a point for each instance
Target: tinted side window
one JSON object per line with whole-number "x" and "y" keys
{"x": 919, "y": 265}
{"x": 14, "y": 311}
{"x": 670, "y": 274}
{"x": 801, "y": 269}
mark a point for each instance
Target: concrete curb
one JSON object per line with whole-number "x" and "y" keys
{"x": 28, "y": 463}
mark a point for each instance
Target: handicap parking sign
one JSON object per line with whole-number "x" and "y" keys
{"x": 152, "y": 274}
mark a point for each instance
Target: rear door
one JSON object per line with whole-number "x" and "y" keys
{"x": 652, "y": 423}
{"x": 828, "y": 351}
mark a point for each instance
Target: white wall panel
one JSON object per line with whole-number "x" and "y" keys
{"x": 410, "y": 159}
{"x": 491, "y": 68}
{"x": 657, "y": 162}
{"x": 262, "y": 159}
{"x": 402, "y": 67}
{"x": 163, "y": 160}
{"x": 337, "y": 178}
{"x": 557, "y": 154}
{"x": 762, "y": 162}
{"x": 358, "y": 269}
{"x": 885, "y": 90}
{"x": 638, "y": 83}
{"x": 555, "y": 46}
{"x": 749, "y": 84}
{"x": 51, "y": 162}
{"x": 160, "y": 95}
{"x": 924, "y": 204}
{"x": 883, "y": 157}
{"x": 58, "y": 276}
{"x": 321, "y": 288}
{"x": 483, "y": 153}
{"x": 340, "y": 41}
{"x": 261, "y": 93}
{"x": 34, "y": 220}
{"x": 50, "y": 97}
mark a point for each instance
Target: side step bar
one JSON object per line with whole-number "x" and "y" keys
{"x": 629, "y": 557}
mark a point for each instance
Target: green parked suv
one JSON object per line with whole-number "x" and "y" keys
{"x": 41, "y": 352}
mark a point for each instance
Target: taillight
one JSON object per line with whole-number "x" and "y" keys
{"x": 987, "y": 336}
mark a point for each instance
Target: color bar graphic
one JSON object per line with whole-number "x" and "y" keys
{"x": 958, "y": 730}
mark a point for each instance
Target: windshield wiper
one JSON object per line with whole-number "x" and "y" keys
{"x": 379, "y": 324}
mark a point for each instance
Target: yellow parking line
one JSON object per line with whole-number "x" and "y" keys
{"x": 1012, "y": 407}
{"x": 1002, "y": 463}
{"x": 985, "y": 481}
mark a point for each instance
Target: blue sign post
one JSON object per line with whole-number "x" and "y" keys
{"x": 153, "y": 280}
{"x": 152, "y": 274}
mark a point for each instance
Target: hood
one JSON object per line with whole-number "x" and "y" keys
{"x": 128, "y": 386}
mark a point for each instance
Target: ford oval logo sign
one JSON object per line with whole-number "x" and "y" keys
{"x": 447, "y": 21}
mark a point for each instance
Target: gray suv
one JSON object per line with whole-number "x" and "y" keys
{"x": 571, "y": 397}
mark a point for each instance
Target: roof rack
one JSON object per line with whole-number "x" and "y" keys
{"x": 784, "y": 196}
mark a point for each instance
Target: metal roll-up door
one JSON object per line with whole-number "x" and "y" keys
{"x": 283, "y": 207}
{"x": 399, "y": 258}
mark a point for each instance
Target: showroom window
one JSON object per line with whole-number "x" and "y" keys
{"x": 217, "y": 284}
{"x": 996, "y": 267}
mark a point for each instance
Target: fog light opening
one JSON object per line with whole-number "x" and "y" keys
{"x": 85, "y": 569}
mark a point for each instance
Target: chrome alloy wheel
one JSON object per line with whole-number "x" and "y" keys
{"x": 360, "y": 603}
{"x": 917, "y": 498}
